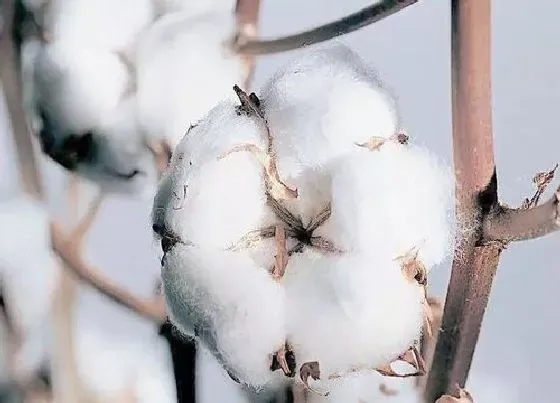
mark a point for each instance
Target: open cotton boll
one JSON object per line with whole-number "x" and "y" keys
{"x": 120, "y": 159}
{"x": 319, "y": 105}
{"x": 390, "y": 201}
{"x": 184, "y": 68}
{"x": 101, "y": 24}
{"x": 209, "y": 201}
{"x": 77, "y": 87}
{"x": 28, "y": 279}
{"x": 350, "y": 311}
{"x": 234, "y": 306}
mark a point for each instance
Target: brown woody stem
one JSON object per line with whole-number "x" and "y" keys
{"x": 350, "y": 23}
{"x": 505, "y": 224}
{"x": 473, "y": 266}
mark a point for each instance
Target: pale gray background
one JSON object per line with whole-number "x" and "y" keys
{"x": 411, "y": 50}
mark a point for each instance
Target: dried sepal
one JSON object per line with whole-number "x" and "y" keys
{"x": 311, "y": 370}
{"x": 320, "y": 218}
{"x": 375, "y": 143}
{"x": 413, "y": 357}
{"x": 413, "y": 268}
{"x": 281, "y": 257}
{"x": 253, "y": 238}
{"x": 541, "y": 181}
{"x": 464, "y": 397}
{"x": 284, "y": 359}
{"x": 325, "y": 245}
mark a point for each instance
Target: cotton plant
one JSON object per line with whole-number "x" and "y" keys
{"x": 28, "y": 282}
{"x": 106, "y": 87}
{"x": 299, "y": 227}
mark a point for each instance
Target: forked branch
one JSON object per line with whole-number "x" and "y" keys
{"x": 350, "y": 23}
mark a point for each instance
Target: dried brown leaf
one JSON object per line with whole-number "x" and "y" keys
{"x": 464, "y": 397}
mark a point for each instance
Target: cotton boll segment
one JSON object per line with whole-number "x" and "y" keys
{"x": 320, "y": 105}
{"x": 184, "y": 69}
{"x": 391, "y": 201}
{"x": 28, "y": 279}
{"x": 107, "y": 25}
{"x": 211, "y": 201}
{"x": 350, "y": 311}
{"x": 235, "y": 307}
{"x": 78, "y": 87}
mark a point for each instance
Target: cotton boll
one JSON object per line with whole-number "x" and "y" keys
{"x": 120, "y": 160}
{"x": 107, "y": 25}
{"x": 29, "y": 279}
{"x": 184, "y": 68}
{"x": 350, "y": 311}
{"x": 234, "y": 306}
{"x": 209, "y": 201}
{"x": 390, "y": 201}
{"x": 320, "y": 105}
{"x": 77, "y": 87}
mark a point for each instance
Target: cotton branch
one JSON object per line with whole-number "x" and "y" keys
{"x": 350, "y": 23}
{"x": 474, "y": 265}
{"x": 247, "y": 16}
{"x": 11, "y": 87}
{"x": 64, "y": 247}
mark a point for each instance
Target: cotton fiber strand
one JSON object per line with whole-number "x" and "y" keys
{"x": 350, "y": 311}
{"x": 209, "y": 201}
{"x": 194, "y": 8}
{"x": 234, "y": 306}
{"x": 184, "y": 68}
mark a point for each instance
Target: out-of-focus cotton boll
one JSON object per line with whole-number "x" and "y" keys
{"x": 29, "y": 279}
{"x": 209, "y": 201}
{"x": 106, "y": 25}
{"x": 390, "y": 201}
{"x": 195, "y": 7}
{"x": 318, "y": 106}
{"x": 184, "y": 68}
{"x": 78, "y": 87}
{"x": 234, "y": 307}
{"x": 350, "y": 311}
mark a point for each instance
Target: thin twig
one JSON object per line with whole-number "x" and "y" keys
{"x": 11, "y": 87}
{"x": 345, "y": 25}
{"x": 247, "y": 16}
{"x": 65, "y": 248}
{"x": 473, "y": 266}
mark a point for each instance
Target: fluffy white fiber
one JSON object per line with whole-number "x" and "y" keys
{"x": 345, "y": 300}
{"x": 28, "y": 279}
{"x": 184, "y": 69}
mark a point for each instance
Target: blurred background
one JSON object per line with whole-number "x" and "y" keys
{"x": 515, "y": 357}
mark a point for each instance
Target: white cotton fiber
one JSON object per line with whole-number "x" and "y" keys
{"x": 107, "y": 25}
{"x": 209, "y": 201}
{"x": 390, "y": 201}
{"x": 78, "y": 86}
{"x": 184, "y": 68}
{"x": 28, "y": 279}
{"x": 235, "y": 307}
{"x": 194, "y": 7}
{"x": 318, "y": 106}
{"x": 350, "y": 311}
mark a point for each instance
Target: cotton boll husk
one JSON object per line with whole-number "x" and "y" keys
{"x": 28, "y": 279}
{"x": 212, "y": 202}
{"x": 107, "y": 25}
{"x": 78, "y": 87}
{"x": 319, "y": 105}
{"x": 235, "y": 307}
{"x": 184, "y": 69}
{"x": 390, "y": 201}
{"x": 350, "y": 311}
{"x": 120, "y": 152}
